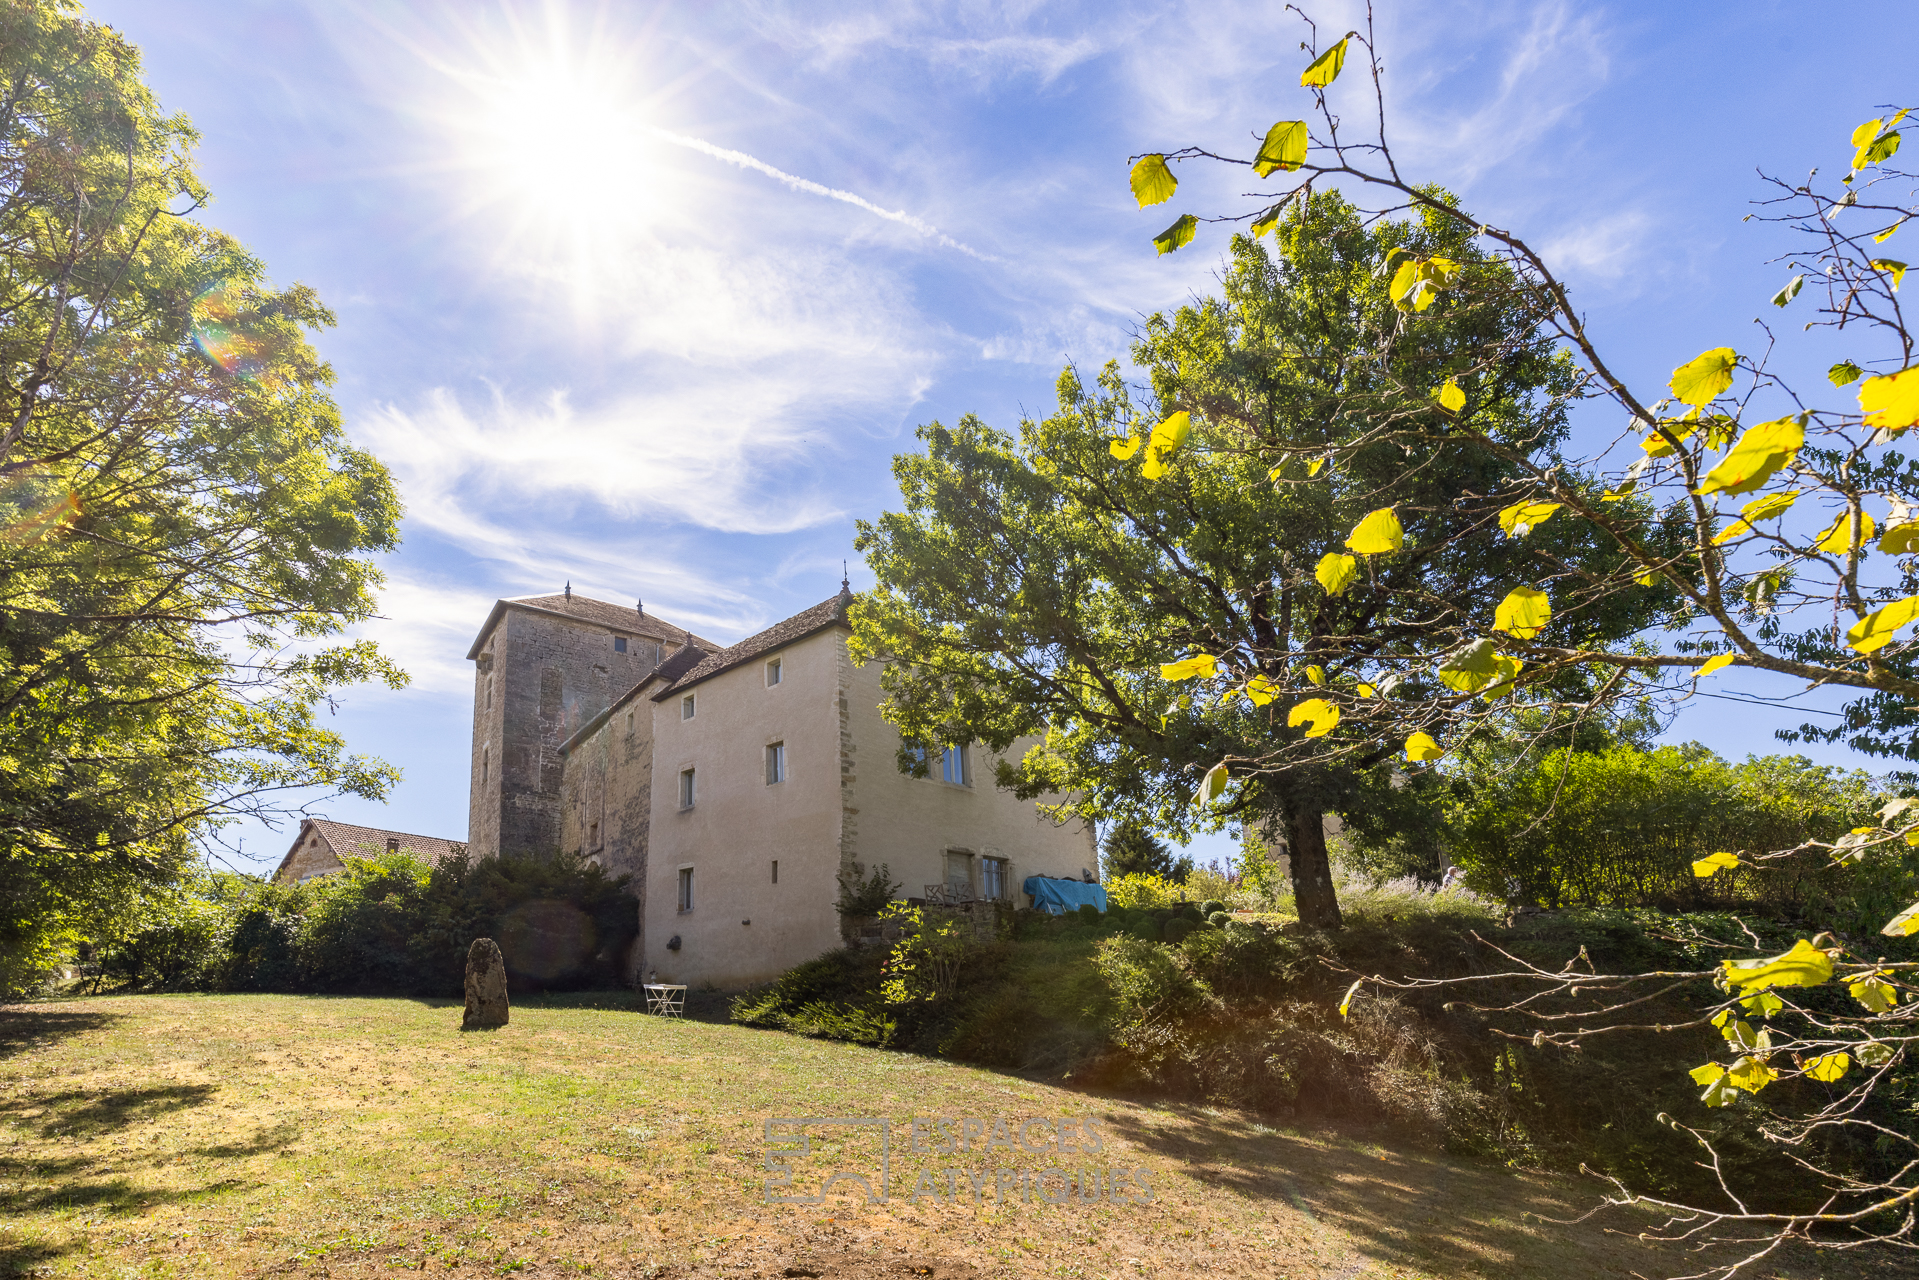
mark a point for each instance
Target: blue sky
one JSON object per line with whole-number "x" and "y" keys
{"x": 646, "y": 297}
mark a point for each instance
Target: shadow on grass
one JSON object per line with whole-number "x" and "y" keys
{"x": 22, "y": 1027}
{"x": 1433, "y": 1214}
{"x": 26, "y": 1258}
{"x": 87, "y": 1114}
{"x": 110, "y": 1195}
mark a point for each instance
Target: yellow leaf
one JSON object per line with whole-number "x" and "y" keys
{"x": 1166, "y": 440}
{"x": 1886, "y": 235}
{"x": 1478, "y": 668}
{"x": 1336, "y": 572}
{"x": 1377, "y": 534}
{"x": 1204, "y": 664}
{"x": 1837, "y": 540}
{"x": 1763, "y": 1003}
{"x": 1803, "y": 966}
{"x": 1770, "y": 507}
{"x": 1873, "y": 991}
{"x": 1896, "y": 269}
{"x": 1325, "y": 68}
{"x": 1874, "y": 631}
{"x": 1844, "y": 372}
{"x": 1866, "y": 133}
{"x": 1450, "y": 397}
{"x": 1316, "y": 674}
{"x": 1751, "y": 1074}
{"x": 1713, "y": 863}
{"x": 1883, "y": 147}
{"x": 1124, "y": 449}
{"x": 1346, "y": 1002}
{"x": 1828, "y": 1067}
{"x": 1284, "y": 148}
{"x": 1312, "y": 468}
{"x": 1523, "y": 613}
{"x": 1701, "y": 380}
{"x": 1706, "y": 1074}
{"x": 1153, "y": 181}
{"x": 1790, "y": 292}
{"x": 1178, "y": 235}
{"x": 1681, "y": 429}
{"x": 1365, "y": 690}
{"x": 1212, "y": 784}
{"x": 1891, "y": 403}
{"x": 1265, "y": 222}
{"x": 1718, "y": 663}
{"x": 1421, "y": 746}
{"x": 1262, "y": 690}
{"x": 1323, "y": 715}
{"x": 1761, "y": 451}
{"x": 1403, "y": 280}
{"x": 1905, "y": 924}
{"x": 1522, "y": 518}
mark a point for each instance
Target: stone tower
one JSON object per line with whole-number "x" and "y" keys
{"x": 544, "y": 666}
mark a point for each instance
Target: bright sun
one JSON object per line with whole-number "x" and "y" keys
{"x": 551, "y": 133}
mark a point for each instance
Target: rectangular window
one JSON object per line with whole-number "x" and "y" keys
{"x": 776, "y": 763}
{"x": 686, "y": 707}
{"x": 772, "y": 673}
{"x": 776, "y": 871}
{"x": 483, "y": 763}
{"x": 916, "y": 757}
{"x": 953, "y": 767}
{"x": 959, "y": 873}
{"x": 629, "y": 724}
{"x": 619, "y": 644}
{"x": 686, "y": 890}
{"x": 686, "y": 788}
{"x": 992, "y": 878}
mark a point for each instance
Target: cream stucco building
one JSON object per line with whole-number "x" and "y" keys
{"x": 733, "y": 784}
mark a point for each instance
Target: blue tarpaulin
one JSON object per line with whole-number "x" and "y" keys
{"x": 1060, "y": 896}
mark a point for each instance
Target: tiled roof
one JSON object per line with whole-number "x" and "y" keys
{"x": 614, "y": 617}
{"x": 348, "y": 841}
{"x": 828, "y": 613}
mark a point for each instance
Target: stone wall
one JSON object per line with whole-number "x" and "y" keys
{"x": 539, "y": 676}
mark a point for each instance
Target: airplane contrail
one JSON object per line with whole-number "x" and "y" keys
{"x": 745, "y": 161}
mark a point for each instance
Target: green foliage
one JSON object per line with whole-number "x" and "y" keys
{"x": 183, "y": 523}
{"x": 1036, "y": 585}
{"x": 1142, "y": 891}
{"x": 924, "y": 964}
{"x": 388, "y": 923}
{"x": 1622, "y": 827}
{"x": 862, "y": 895}
{"x": 1131, "y": 848}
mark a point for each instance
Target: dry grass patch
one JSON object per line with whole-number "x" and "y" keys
{"x": 299, "y": 1136}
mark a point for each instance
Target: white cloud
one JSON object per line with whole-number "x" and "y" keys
{"x": 1605, "y": 248}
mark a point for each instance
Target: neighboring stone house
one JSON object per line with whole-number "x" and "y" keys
{"x": 321, "y": 847}
{"x": 733, "y": 784}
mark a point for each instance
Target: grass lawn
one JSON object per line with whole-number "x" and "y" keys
{"x": 303, "y": 1136}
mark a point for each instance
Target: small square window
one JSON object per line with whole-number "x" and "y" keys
{"x": 775, "y": 763}
{"x": 686, "y": 707}
{"x": 686, "y": 890}
{"x": 772, "y": 673}
{"x": 619, "y": 644}
{"x": 686, "y": 788}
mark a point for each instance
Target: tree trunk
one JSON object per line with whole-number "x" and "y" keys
{"x": 1312, "y": 872}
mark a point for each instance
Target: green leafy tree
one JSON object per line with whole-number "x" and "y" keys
{"x": 1132, "y": 849}
{"x": 1782, "y": 521}
{"x": 183, "y": 526}
{"x": 1167, "y": 605}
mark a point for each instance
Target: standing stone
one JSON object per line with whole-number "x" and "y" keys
{"x": 485, "y": 986}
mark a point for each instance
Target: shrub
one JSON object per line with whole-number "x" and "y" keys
{"x": 1140, "y": 892}
{"x": 1088, "y": 913}
{"x": 863, "y": 895}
